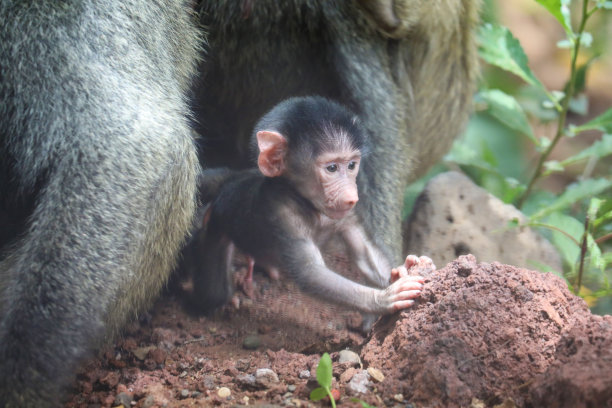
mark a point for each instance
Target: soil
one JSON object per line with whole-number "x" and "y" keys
{"x": 482, "y": 335}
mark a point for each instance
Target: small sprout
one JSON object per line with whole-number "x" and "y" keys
{"x": 324, "y": 378}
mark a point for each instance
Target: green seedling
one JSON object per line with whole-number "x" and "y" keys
{"x": 324, "y": 378}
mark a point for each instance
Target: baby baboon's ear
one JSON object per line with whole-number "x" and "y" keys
{"x": 272, "y": 152}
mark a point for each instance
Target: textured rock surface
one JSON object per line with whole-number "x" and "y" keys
{"x": 455, "y": 217}
{"x": 581, "y": 376}
{"x": 484, "y": 331}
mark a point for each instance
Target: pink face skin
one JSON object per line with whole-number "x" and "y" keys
{"x": 337, "y": 176}
{"x": 330, "y": 183}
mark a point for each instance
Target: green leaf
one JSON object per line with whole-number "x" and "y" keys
{"x": 485, "y": 136}
{"x": 575, "y": 192}
{"x": 602, "y": 219}
{"x": 565, "y": 44}
{"x": 500, "y": 48}
{"x": 602, "y": 122}
{"x": 324, "y": 371}
{"x": 586, "y": 39}
{"x": 568, "y": 248}
{"x": 318, "y": 394}
{"x": 532, "y": 100}
{"x": 599, "y": 150}
{"x": 597, "y": 261}
{"x": 507, "y": 110}
{"x": 579, "y": 105}
{"x": 607, "y": 257}
{"x": 553, "y": 166}
{"x": 594, "y": 206}
{"x": 560, "y": 11}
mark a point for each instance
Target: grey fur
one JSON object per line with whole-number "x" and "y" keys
{"x": 95, "y": 142}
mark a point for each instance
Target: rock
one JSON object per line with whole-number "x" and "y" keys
{"x": 208, "y": 382}
{"x": 580, "y": 375}
{"x": 123, "y": 398}
{"x": 476, "y": 403}
{"x": 348, "y": 356}
{"x": 291, "y": 388}
{"x": 243, "y": 364}
{"x": 148, "y": 402}
{"x": 376, "y": 374}
{"x": 434, "y": 356}
{"x": 110, "y": 380}
{"x": 158, "y": 355}
{"x": 141, "y": 352}
{"x": 347, "y": 375}
{"x": 304, "y": 374}
{"x": 455, "y": 217}
{"x": 359, "y": 384}
{"x": 184, "y": 394}
{"x": 265, "y": 377}
{"x": 224, "y": 392}
{"x": 246, "y": 380}
{"x": 251, "y": 342}
{"x": 164, "y": 337}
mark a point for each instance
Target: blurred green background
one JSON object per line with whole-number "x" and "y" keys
{"x": 502, "y": 159}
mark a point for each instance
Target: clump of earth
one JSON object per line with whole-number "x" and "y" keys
{"x": 481, "y": 335}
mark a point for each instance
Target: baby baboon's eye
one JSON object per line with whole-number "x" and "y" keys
{"x": 332, "y": 168}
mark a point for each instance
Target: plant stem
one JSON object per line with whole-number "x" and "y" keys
{"x": 331, "y": 398}
{"x": 565, "y": 107}
{"x": 583, "y": 251}
{"x": 603, "y": 238}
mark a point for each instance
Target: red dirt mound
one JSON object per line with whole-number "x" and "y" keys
{"x": 480, "y": 331}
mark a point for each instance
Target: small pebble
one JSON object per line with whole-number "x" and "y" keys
{"x": 149, "y": 401}
{"x": 304, "y": 374}
{"x": 183, "y": 374}
{"x": 359, "y": 384}
{"x": 224, "y": 392}
{"x": 251, "y": 342}
{"x": 243, "y": 364}
{"x": 398, "y": 397}
{"x": 185, "y": 393}
{"x": 348, "y": 356}
{"x": 265, "y": 377}
{"x": 291, "y": 388}
{"x": 347, "y": 375}
{"x": 209, "y": 382}
{"x": 123, "y": 398}
{"x": 246, "y": 380}
{"x": 141, "y": 352}
{"x": 376, "y": 374}
{"x": 158, "y": 355}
